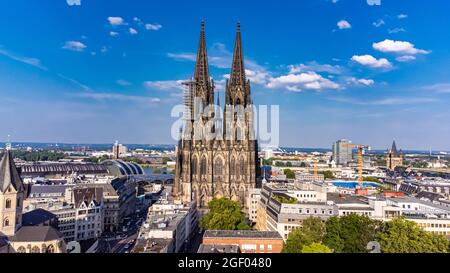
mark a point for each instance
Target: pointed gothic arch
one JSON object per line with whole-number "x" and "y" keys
{"x": 218, "y": 166}
{"x": 194, "y": 165}
{"x": 203, "y": 166}
{"x": 233, "y": 166}
{"x": 242, "y": 168}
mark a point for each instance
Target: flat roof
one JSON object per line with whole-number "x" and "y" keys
{"x": 242, "y": 234}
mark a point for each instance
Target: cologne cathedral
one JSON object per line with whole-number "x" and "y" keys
{"x": 227, "y": 164}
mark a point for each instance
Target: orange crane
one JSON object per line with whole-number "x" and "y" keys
{"x": 360, "y": 148}
{"x": 316, "y": 170}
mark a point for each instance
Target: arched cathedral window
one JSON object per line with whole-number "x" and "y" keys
{"x": 194, "y": 166}
{"x": 203, "y": 166}
{"x": 233, "y": 166}
{"x": 242, "y": 166}
{"x": 6, "y": 222}
{"x": 8, "y": 203}
{"x": 218, "y": 166}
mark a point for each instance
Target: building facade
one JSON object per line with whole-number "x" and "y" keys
{"x": 249, "y": 241}
{"x": 225, "y": 165}
{"x": 342, "y": 152}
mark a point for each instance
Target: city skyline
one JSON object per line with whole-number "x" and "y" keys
{"x": 371, "y": 76}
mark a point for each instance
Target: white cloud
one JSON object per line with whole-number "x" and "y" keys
{"x": 26, "y": 60}
{"x": 73, "y": 2}
{"x": 74, "y": 46}
{"x": 113, "y": 33}
{"x": 299, "y": 82}
{"x": 406, "y": 58}
{"x": 343, "y": 24}
{"x": 117, "y": 97}
{"x": 123, "y": 83}
{"x": 104, "y": 49}
{"x": 370, "y": 61}
{"x": 75, "y": 82}
{"x": 439, "y": 87}
{"x": 379, "y": 23}
{"x": 402, "y": 16}
{"x": 133, "y": 31}
{"x": 257, "y": 77}
{"x": 365, "y": 82}
{"x": 385, "y": 101}
{"x": 116, "y": 21}
{"x": 165, "y": 85}
{"x": 182, "y": 56}
{"x": 396, "y": 30}
{"x": 399, "y": 47}
{"x": 153, "y": 26}
{"x": 316, "y": 67}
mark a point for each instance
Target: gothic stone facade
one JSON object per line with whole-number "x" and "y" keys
{"x": 222, "y": 166}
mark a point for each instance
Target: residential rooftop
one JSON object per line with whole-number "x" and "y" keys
{"x": 242, "y": 234}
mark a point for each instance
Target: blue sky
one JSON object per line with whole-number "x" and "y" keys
{"x": 97, "y": 71}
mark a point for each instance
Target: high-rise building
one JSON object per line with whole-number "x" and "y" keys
{"x": 119, "y": 150}
{"x": 342, "y": 152}
{"x": 394, "y": 157}
{"x": 226, "y": 165}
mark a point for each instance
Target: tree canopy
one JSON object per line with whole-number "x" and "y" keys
{"x": 403, "y": 236}
{"x": 352, "y": 233}
{"x": 316, "y": 248}
{"x": 328, "y": 175}
{"x": 224, "y": 214}
{"x": 312, "y": 231}
{"x": 290, "y": 174}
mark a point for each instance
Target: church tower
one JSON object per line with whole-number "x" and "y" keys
{"x": 12, "y": 193}
{"x": 394, "y": 157}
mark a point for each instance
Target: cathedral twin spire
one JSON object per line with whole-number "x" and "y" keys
{"x": 237, "y": 90}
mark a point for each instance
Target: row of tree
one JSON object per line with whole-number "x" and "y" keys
{"x": 33, "y": 156}
{"x": 352, "y": 234}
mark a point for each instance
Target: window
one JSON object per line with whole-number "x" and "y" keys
{"x": 35, "y": 249}
{"x": 21, "y": 250}
{"x": 8, "y": 203}
{"x": 218, "y": 166}
{"x": 242, "y": 167}
{"x": 6, "y": 222}
{"x": 261, "y": 247}
{"x": 203, "y": 166}
{"x": 50, "y": 249}
{"x": 269, "y": 247}
{"x": 194, "y": 164}
{"x": 232, "y": 166}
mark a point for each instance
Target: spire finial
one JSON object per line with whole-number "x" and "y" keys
{"x": 239, "y": 26}
{"x": 203, "y": 24}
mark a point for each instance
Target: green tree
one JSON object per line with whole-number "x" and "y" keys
{"x": 371, "y": 179}
{"x": 289, "y": 164}
{"x": 312, "y": 231}
{"x": 280, "y": 164}
{"x": 316, "y": 248}
{"x": 290, "y": 174}
{"x": 350, "y": 233}
{"x": 224, "y": 214}
{"x": 403, "y": 236}
{"x": 328, "y": 174}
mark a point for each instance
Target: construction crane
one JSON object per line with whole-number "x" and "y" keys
{"x": 360, "y": 148}
{"x": 316, "y": 170}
